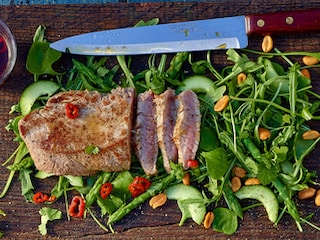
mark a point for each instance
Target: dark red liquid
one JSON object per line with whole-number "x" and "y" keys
{"x": 3, "y": 55}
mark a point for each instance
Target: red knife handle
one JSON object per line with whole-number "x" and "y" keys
{"x": 283, "y": 22}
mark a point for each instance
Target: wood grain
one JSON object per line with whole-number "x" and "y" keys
{"x": 22, "y": 218}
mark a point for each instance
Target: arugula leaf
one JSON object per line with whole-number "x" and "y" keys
{"x": 26, "y": 184}
{"x": 208, "y": 139}
{"x": 39, "y": 35}
{"x": 217, "y": 162}
{"x": 26, "y": 162}
{"x": 40, "y": 56}
{"x": 60, "y": 188}
{"x": 225, "y": 220}
{"x": 43, "y": 175}
{"x": 120, "y": 185}
{"x": 48, "y": 214}
{"x": 110, "y": 204}
{"x": 75, "y": 181}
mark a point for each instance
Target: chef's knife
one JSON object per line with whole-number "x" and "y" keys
{"x": 219, "y": 33}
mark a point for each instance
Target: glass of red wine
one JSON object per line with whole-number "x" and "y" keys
{"x": 8, "y": 51}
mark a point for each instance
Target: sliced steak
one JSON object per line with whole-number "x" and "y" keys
{"x": 166, "y": 113}
{"x": 145, "y": 133}
{"x": 57, "y": 143}
{"x": 186, "y": 133}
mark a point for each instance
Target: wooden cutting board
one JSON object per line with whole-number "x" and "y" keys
{"x": 22, "y": 218}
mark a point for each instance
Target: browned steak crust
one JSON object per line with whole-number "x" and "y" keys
{"x": 57, "y": 143}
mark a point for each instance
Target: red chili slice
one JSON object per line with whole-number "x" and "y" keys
{"x": 72, "y": 111}
{"x": 140, "y": 180}
{"x": 77, "y": 207}
{"x": 139, "y": 186}
{"x": 136, "y": 189}
{"x": 105, "y": 190}
{"x": 192, "y": 163}
{"x": 40, "y": 197}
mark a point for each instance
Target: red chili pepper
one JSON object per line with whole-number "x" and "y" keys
{"x": 105, "y": 190}
{"x": 77, "y": 207}
{"x": 139, "y": 186}
{"x": 72, "y": 111}
{"x": 40, "y": 197}
{"x": 136, "y": 189}
{"x": 140, "y": 180}
{"x": 192, "y": 163}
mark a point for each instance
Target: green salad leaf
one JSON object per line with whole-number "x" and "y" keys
{"x": 48, "y": 214}
{"x": 225, "y": 221}
{"x": 41, "y": 57}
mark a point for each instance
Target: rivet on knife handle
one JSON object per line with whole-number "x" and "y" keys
{"x": 283, "y": 22}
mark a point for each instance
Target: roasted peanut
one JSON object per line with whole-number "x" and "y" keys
{"x": 305, "y": 72}
{"x": 208, "y": 220}
{"x": 235, "y": 184}
{"x": 310, "y": 135}
{"x": 264, "y": 133}
{"x": 221, "y": 104}
{"x": 158, "y": 200}
{"x": 252, "y": 181}
{"x": 308, "y": 60}
{"x": 317, "y": 199}
{"x": 306, "y": 193}
{"x": 267, "y": 43}
{"x": 241, "y": 78}
{"x": 186, "y": 179}
{"x": 239, "y": 172}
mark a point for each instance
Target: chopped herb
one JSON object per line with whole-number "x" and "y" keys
{"x": 48, "y": 214}
{"x": 92, "y": 150}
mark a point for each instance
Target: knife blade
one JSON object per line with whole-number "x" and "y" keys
{"x": 199, "y": 35}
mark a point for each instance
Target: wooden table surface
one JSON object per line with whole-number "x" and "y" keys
{"x": 22, "y": 218}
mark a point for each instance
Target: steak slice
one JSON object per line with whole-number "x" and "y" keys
{"x": 166, "y": 113}
{"x": 145, "y": 133}
{"x": 57, "y": 143}
{"x": 186, "y": 134}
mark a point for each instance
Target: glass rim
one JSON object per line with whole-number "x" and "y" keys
{"x": 12, "y": 46}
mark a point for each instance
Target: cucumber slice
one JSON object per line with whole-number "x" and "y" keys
{"x": 190, "y": 202}
{"x": 196, "y": 83}
{"x": 264, "y": 195}
{"x": 183, "y": 192}
{"x": 196, "y": 211}
{"x": 34, "y": 91}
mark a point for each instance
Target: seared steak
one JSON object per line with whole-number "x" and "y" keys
{"x": 57, "y": 143}
{"x": 186, "y": 134}
{"x": 58, "y": 139}
{"x": 166, "y": 113}
{"x": 145, "y": 133}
